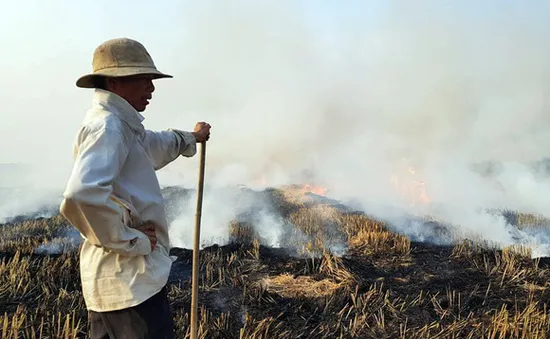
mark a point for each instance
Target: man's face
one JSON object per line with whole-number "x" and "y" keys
{"x": 137, "y": 90}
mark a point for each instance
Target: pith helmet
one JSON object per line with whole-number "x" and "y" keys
{"x": 119, "y": 58}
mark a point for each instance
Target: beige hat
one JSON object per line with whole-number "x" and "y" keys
{"x": 119, "y": 58}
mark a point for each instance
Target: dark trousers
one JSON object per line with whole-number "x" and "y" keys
{"x": 148, "y": 320}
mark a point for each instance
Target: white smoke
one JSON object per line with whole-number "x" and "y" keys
{"x": 27, "y": 203}
{"x": 255, "y": 209}
{"x": 446, "y": 87}
{"x": 66, "y": 240}
{"x": 349, "y": 90}
{"x": 221, "y": 206}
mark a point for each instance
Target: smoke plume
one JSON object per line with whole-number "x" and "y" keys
{"x": 450, "y": 90}
{"x": 355, "y": 94}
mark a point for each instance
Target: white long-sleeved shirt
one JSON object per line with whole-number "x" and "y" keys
{"x": 113, "y": 188}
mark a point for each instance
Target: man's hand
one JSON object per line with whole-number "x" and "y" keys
{"x": 149, "y": 229}
{"x": 202, "y": 131}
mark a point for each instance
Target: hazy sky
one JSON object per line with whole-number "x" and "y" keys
{"x": 357, "y": 90}
{"x": 48, "y": 44}
{"x": 269, "y": 74}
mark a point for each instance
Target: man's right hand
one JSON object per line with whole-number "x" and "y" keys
{"x": 202, "y": 131}
{"x": 149, "y": 229}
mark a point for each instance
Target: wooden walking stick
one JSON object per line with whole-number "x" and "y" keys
{"x": 196, "y": 247}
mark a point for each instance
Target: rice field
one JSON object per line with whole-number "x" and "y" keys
{"x": 337, "y": 274}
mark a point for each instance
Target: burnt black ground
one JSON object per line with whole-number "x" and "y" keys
{"x": 429, "y": 268}
{"x": 233, "y": 284}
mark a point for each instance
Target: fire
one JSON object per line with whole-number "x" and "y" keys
{"x": 299, "y": 188}
{"x": 318, "y": 190}
{"x": 300, "y": 193}
{"x": 411, "y": 187}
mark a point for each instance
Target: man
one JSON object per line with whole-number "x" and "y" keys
{"x": 113, "y": 197}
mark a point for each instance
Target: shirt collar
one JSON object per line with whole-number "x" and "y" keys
{"x": 122, "y": 108}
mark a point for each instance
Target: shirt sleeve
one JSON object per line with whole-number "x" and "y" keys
{"x": 87, "y": 202}
{"x": 166, "y": 146}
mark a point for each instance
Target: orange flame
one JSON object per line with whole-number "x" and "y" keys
{"x": 318, "y": 190}
{"x": 262, "y": 180}
{"x": 411, "y": 188}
